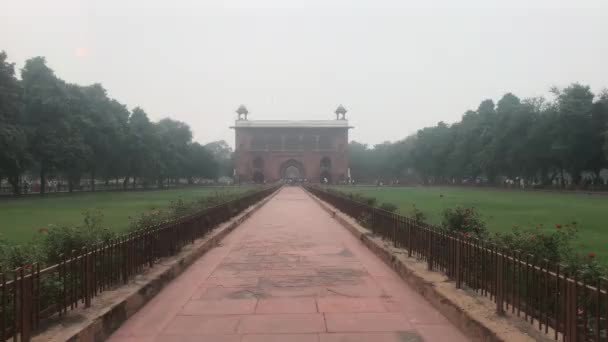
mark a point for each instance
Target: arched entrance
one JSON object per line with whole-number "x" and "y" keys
{"x": 325, "y": 166}
{"x": 292, "y": 170}
{"x": 258, "y": 170}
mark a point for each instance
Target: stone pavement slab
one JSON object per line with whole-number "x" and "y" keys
{"x": 289, "y": 273}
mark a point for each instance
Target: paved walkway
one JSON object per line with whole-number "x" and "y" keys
{"x": 289, "y": 273}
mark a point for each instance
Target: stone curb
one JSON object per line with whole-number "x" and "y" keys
{"x": 112, "y": 308}
{"x": 472, "y": 314}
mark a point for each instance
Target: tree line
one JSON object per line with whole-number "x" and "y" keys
{"x": 50, "y": 128}
{"x": 562, "y": 142}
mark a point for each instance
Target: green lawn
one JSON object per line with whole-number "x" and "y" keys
{"x": 504, "y": 209}
{"x": 21, "y": 218}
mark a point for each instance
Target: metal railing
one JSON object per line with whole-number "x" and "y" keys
{"x": 7, "y": 191}
{"x": 31, "y": 293}
{"x": 560, "y": 304}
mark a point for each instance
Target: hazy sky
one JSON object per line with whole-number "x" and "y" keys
{"x": 397, "y": 66}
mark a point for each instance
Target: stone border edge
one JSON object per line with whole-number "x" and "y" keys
{"x": 474, "y": 316}
{"x": 101, "y": 320}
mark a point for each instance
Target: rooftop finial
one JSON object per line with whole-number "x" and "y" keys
{"x": 242, "y": 111}
{"x": 341, "y": 111}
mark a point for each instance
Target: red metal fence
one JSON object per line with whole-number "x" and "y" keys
{"x": 31, "y": 294}
{"x": 565, "y": 306}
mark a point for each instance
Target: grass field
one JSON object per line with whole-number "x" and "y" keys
{"x": 21, "y": 218}
{"x": 503, "y": 209}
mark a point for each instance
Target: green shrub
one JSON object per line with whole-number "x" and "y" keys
{"x": 60, "y": 240}
{"x": 371, "y": 201}
{"x": 588, "y": 268}
{"x": 464, "y": 220}
{"x": 390, "y": 207}
{"x": 17, "y": 255}
{"x": 553, "y": 244}
{"x": 150, "y": 218}
{"x": 417, "y": 214}
{"x": 179, "y": 208}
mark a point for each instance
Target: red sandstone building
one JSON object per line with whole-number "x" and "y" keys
{"x": 271, "y": 150}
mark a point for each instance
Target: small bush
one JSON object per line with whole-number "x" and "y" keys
{"x": 60, "y": 240}
{"x": 371, "y": 201}
{"x": 17, "y": 255}
{"x": 179, "y": 208}
{"x": 556, "y": 245}
{"x": 588, "y": 268}
{"x": 390, "y": 207}
{"x": 553, "y": 244}
{"x": 417, "y": 214}
{"x": 150, "y": 218}
{"x": 464, "y": 220}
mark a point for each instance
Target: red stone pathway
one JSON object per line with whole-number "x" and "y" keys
{"x": 289, "y": 273}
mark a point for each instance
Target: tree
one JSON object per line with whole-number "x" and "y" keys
{"x": 118, "y": 161}
{"x": 103, "y": 124}
{"x": 573, "y": 142}
{"x": 432, "y": 151}
{"x": 534, "y": 140}
{"x": 46, "y": 116}
{"x": 599, "y": 127}
{"x": 13, "y": 141}
{"x": 222, "y": 152}
{"x": 360, "y": 162}
{"x": 143, "y": 148}
{"x": 200, "y": 163}
{"x": 174, "y": 136}
{"x": 78, "y": 151}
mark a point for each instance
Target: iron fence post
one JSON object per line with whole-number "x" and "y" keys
{"x": 394, "y": 218}
{"x": 409, "y": 238}
{"x": 429, "y": 257}
{"x": 458, "y": 260}
{"x": 87, "y": 277}
{"x": 571, "y": 331}
{"x": 3, "y": 306}
{"x": 373, "y": 221}
{"x": 500, "y": 286}
{"x": 25, "y": 306}
{"x": 125, "y": 260}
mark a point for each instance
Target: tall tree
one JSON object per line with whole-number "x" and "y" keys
{"x": 222, "y": 153}
{"x": 72, "y": 163}
{"x": 200, "y": 163}
{"x": 174, "y": 139}
{"x": 573, "y": 142}
{"x": 599, "y": 128}
{"x": 143, "y": 148}
{"x": 103, "y": 125}
{"x": 433, "y": 148}
{"x": 46, "y": 116}
{"x": 13, "y": 141}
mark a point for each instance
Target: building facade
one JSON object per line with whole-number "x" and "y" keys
{"x": 272, "y": 150}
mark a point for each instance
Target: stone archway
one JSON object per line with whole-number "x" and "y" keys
{"x": 325, "y": 166}
{"x": 292, "y": 169}
{"x": 258, "y": 170}
{"x": 292, "y": 172}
